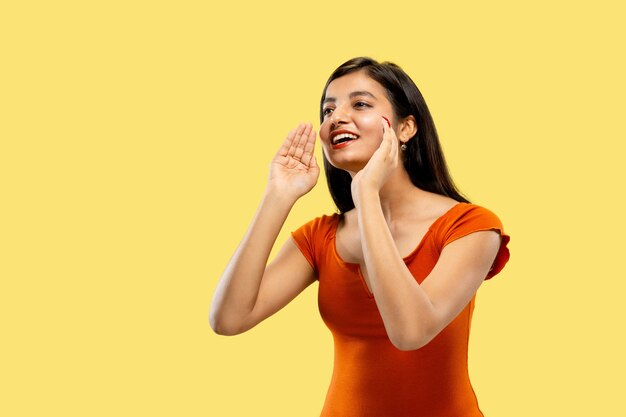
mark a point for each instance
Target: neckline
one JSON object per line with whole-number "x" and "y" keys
{"x": 406, "y": 258}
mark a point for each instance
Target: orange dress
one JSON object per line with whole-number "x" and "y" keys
{"x": 371, "y": 377}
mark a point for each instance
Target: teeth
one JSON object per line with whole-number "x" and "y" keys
{"x": 343, "y": 136}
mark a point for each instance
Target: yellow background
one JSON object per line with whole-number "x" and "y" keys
{"x": 135, "y": 143}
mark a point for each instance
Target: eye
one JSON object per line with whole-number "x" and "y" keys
{"x": 361, "y": 105}
{"x": 327, "y": 111}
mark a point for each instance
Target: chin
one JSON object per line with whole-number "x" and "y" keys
{"x": 351, "y": 165}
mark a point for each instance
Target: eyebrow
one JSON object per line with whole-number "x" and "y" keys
{"x": 352, "y": 95}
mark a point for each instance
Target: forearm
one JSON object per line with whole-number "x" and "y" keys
{"x": 405, "y": 308}
{"x": 237, "y": 290}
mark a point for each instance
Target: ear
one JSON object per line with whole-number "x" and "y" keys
{"x": 407, "y": 129}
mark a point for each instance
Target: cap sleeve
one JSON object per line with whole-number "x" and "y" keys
{"x": 475, "y": 219}
{"x": 311, "y": 238}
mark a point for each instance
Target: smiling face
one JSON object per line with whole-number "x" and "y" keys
{"x": 351, "y": 130}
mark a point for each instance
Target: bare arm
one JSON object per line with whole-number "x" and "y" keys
{"x": 414, "y": 313}
{"x": 249, "y": 291}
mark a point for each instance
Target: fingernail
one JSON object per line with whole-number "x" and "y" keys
{"x": 387, "y": 120}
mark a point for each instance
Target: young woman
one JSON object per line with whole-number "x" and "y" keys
{"x": 398, "y": 266}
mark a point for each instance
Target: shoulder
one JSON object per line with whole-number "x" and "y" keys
{"x": 312, "y": 236}
{"x": 324, "y": 221}
{"x": 318, "y": 227}
{"x": 469, "y": 213}
{"x": 464, "y": 219}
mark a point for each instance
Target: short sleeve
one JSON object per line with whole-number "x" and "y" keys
{"x": 475, "y": 219}
{"x": 311, "y": 239}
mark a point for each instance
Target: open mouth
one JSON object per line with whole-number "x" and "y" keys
{"x": 343, "y": 137}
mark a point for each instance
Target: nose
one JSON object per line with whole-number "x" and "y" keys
{"x": 339, "y": 116}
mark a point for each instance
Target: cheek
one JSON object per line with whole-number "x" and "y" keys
{"x": 370, "y": 125}
{"x": 324, "y": 130}
{"x": 371, "y": 122}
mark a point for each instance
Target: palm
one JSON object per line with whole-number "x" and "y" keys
{"x": 294, "y": 169}
{"x": 380, "y": 166}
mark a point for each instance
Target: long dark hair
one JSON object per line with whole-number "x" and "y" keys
{"x": 423, "y": 157}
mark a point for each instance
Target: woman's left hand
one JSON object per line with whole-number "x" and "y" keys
{"x": 380, "y": 166}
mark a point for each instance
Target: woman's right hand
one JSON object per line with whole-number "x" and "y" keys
{"x": 250, "y": 289}
{"x": 294, "y": 170}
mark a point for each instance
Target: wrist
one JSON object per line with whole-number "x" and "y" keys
{"x": 363, "y": 193}
{"x": 276, "y": 196}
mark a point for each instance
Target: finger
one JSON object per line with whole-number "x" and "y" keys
{"x": 294, "y": 143}
{"x": 385, "y": 145}
{"x": 309, "y": 148}
{"x": 394, "y": 150}
{"x": 387, "y": 127}
{"x": 302, "y": 139}
{"x": 390, "y": 135}
{"x": 386, "y": 123}
{"x": 386, "y": 130}
{"x": 313, "y": 162}
{"x": 395, "y": 146}
{"x": 284, "y": 149}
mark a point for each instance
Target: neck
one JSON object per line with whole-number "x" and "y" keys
{"x": 400, "y": 198}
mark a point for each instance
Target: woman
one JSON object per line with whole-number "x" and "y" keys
{"x": 398, "y": 267}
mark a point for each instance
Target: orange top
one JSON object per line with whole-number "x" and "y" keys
{"x": 371, "y": 377}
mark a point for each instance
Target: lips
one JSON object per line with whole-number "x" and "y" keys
{"x": 341, "y": 138}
